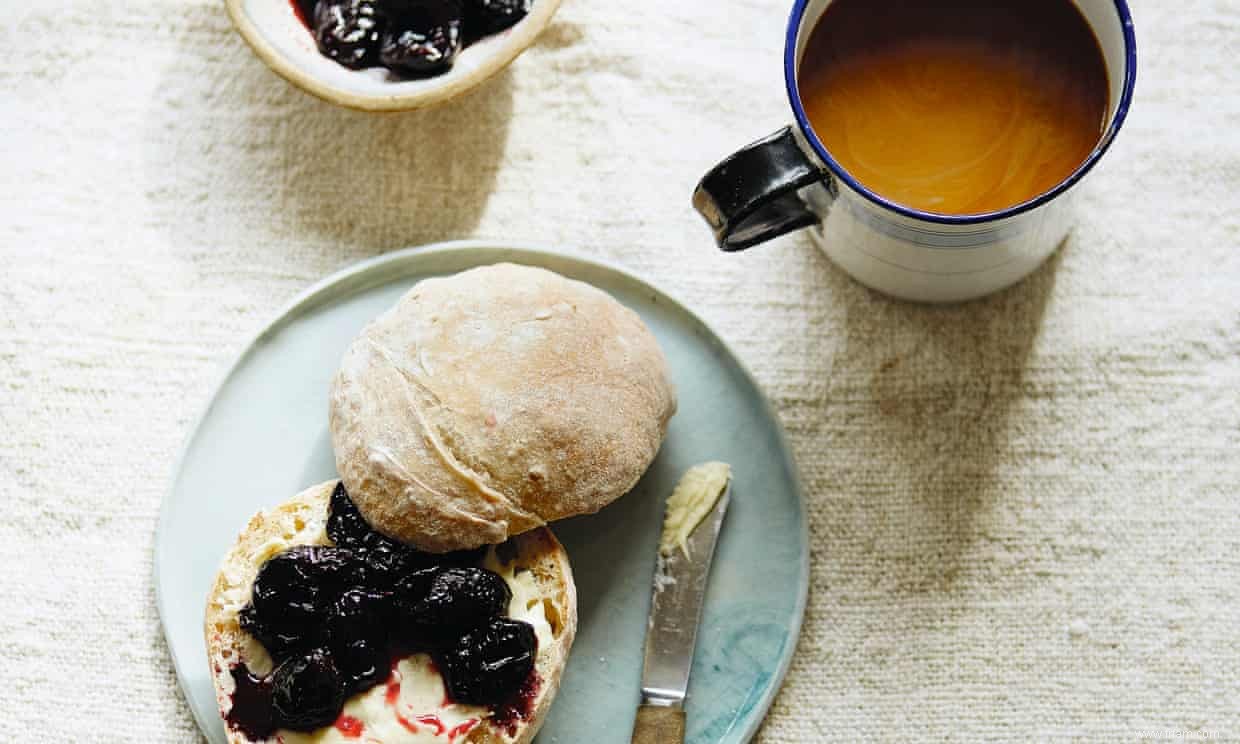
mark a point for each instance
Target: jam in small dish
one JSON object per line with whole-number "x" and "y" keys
{"x": 411, "y": 38}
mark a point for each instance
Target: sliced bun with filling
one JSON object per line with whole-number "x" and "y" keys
{"x": 323, "y": 577}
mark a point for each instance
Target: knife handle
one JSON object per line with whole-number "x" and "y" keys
{"x": 659, "y": 724}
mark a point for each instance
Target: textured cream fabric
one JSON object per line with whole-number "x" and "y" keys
{"x": 1024, "y": 510}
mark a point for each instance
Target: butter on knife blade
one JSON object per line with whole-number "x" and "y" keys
{"x": 692, "y": 499}
{"x": 695, "y": 513}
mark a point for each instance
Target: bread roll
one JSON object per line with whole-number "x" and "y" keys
{"x": 534, "y": 564}
{"x": 493, "y": 401}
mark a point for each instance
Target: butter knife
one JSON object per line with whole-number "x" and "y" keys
{"x": 675, "y": 609}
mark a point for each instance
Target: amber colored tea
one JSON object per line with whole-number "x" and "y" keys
{"x": 957, "y": 106}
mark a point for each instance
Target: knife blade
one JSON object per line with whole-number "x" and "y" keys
{"x": 671, "y": 634}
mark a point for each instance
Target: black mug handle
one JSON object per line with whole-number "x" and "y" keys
{"x": 753, "y": 195}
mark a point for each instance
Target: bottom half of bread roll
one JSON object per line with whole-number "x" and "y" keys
{"x": 412, "y": 704}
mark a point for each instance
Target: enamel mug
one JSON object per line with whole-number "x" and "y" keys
{"x": 789, "y": 181}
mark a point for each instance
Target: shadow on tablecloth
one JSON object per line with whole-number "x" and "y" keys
{"x": 931, "y": 391}
{"x": 283, "y": 171}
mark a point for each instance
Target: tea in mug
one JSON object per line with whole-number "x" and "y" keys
{"x": 957, "y": 106}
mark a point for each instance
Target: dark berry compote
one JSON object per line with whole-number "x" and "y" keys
{"x": 335, "y": 619}
{"x": 412, "y": 38}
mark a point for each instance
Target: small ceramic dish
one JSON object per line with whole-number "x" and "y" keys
{"x": 281, "y": 40}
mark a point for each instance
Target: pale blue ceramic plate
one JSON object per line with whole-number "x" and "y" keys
{"x": 263, "y": 437}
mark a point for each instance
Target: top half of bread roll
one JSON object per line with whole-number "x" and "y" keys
{"x": 490, "y": 402}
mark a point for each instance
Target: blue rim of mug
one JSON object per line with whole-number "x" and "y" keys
{"x": 1121, "y": 112}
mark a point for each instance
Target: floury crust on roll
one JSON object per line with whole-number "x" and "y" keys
{"x": 431, "y": 680}
{"x": 493, "y": 401}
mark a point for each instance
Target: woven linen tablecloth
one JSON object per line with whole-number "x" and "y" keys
{"x": 1024, "y": 510}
